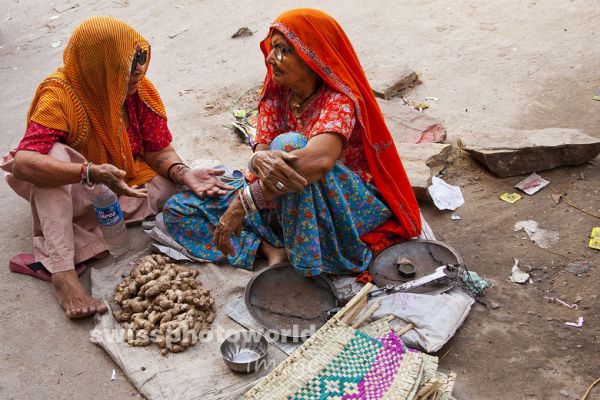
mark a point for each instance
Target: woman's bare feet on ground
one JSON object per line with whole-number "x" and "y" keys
{"x": 275, "y": 255}
{"x": 72, "y": 296}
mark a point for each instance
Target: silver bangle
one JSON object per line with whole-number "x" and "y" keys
{"x": 251, "y": 163}
{"x": 243, "y": 201}
{"x": 87, "y": 175}
{"x": 249, "y": 200}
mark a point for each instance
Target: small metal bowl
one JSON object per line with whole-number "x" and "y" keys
{"x": 244, "y": 351}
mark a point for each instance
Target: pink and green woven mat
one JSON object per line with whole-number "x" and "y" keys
{"x": 343, "y": 363}
{"x": 365, "y": 369}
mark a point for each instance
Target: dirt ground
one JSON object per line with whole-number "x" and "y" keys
{"x": 493, "y": 64}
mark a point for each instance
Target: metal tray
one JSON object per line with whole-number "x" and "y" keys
{"x": 288, "y": 305}
{"x": 425, "y": 255}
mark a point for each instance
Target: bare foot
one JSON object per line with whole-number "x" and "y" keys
{"x": 72, "y": 296}
{"x": 275, "y": 255}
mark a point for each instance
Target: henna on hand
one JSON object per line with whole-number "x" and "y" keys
{"x": 229, "y": 224}
{"x": 177, "y": 173}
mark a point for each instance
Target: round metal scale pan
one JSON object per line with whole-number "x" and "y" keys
{"x": 425, "y": 255}
{"x": 287, "y": 304}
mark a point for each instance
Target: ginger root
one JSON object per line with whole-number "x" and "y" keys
{"x": 163, "y": 303}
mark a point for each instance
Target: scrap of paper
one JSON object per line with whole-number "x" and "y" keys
{"x": 510, "y": 197}
{"x": 532, "y": 184}
{"x": 577, "y": 324}
{"x": 595, "y": 239}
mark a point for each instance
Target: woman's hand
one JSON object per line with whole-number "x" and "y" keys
{"x": 229, "y": 224}
{"x": 113, "y": 178}
{"x": 276, "y": 174}
{"x": 205, "y": 182}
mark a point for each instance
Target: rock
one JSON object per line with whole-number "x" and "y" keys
{"x": 419, "y": 176}
{"x": 408, "y": 125}
{"x": 578, "y": 267}
{"x": 421, "y": 162}
{"x": 244, "y": 31}
{"x": 388, "y": 81}
{"x": 434, "y": 155}
{"x": 511, "y": 153}
{"x": 556, "y": 198}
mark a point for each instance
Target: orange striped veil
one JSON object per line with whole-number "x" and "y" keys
{"x": 323, "y": 45}
{"x": 84, "y": 97}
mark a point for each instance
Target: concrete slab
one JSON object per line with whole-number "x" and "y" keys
{"x": 519, "y": 152}
{"x": 408, "y": 125}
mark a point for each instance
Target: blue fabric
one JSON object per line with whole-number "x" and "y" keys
{"x": 320, "y": 226}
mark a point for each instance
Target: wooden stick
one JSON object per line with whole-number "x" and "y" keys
{"x": 376, "y": 304}
{"x": 402, "y": 331}
{"x": 428, "y": 390}
{"x": 548, "y": 250}
{"x": 569, "y": 202}
{"x": 590, "y": 389}
{"x": 363, "y": 293}
{"x": 446, "y": 353}
{"x": 356, "y": 309}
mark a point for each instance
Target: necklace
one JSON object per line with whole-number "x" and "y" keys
{"x": 296, "y": 105}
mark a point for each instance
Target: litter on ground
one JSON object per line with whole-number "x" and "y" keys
{"x": 577, "y": 324}
{"x": 445, "y": 196}
{"x": 510, "y": 197}
{"x": 532, "y": 184}
{"x": 541, "y": 237}
{"x": 517, "y": 275}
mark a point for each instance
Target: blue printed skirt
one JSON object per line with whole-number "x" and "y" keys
{"x": 319, "y": 227}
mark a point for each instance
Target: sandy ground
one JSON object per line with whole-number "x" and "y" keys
{"x": 520, "y": 64}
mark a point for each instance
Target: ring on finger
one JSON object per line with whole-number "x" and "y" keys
{"x": 280, "y": 185}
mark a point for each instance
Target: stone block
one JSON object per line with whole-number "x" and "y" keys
{"x": 520, "y": 152}
{"x": 421, "y": 162}
{"x": 388, "y": 81}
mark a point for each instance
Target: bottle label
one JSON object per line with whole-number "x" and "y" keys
{"x": 110, "y": 215}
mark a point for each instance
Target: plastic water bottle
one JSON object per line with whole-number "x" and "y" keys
{"x": 110, "y": 217}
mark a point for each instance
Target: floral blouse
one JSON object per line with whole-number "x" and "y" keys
{"x": 329, "y": 112}
{"x": 147, "y": 131}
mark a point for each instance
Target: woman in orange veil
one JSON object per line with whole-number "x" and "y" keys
{"x": 323, "y": 45}
{"x": 97, "y": 119}
{"x": 324, "y": 164}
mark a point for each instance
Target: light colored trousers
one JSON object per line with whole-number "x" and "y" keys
{"x": 65, "y": 229}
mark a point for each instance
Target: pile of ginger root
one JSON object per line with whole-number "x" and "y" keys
{"x": 162, "y": 302}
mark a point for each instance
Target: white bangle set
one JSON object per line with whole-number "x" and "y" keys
{"x": 247, "y": 201}
{"x": 251, "y": 163}
{"x": 84, "y": 174}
